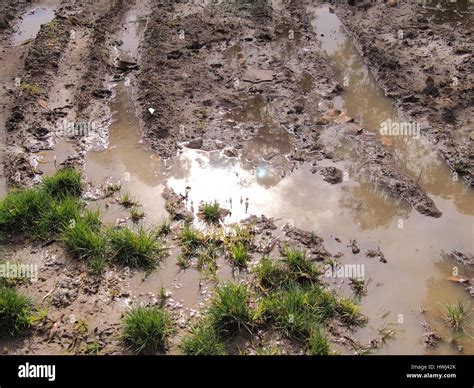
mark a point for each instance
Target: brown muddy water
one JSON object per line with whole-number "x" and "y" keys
{"x": 27, "y": 26}
{"x": 410, "y": 288}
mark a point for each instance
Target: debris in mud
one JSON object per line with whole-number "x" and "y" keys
{"x": 459, "y": 279}
{"x": 430, "y": 338}
{"x": 331, "y": 175}
{"x": 381, "y": 167}
{"x": 126, "y": 66}
{"x": 466, "y": 259}
{"x": 66, "y": 292}
{"x": 175, "y": 205}
{"x": 259, "y": 224}
{"x": 354, "y": 248}
{"x": 377, "y": 253}
{"x": 310, "y": 240}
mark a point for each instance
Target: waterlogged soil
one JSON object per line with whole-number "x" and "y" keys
{"x": 268, "y": 110}
{"x": 423, "y": 60}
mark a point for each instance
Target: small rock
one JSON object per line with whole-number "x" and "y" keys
{"x": 194, "y": 144}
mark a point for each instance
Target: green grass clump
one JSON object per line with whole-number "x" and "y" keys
{"x": 349, "y": 312}
{"x": 136, "y": 214}
{"x": 84, "y": 239}
{"x": 206, "y": 259}
{"x": 40, "y": 212}
{"x": 203, "y": 341}
{"x": 211, "y": 212}
{"x": 15, "y": 312}
{"x": 456, "y": 314}
{"x": 164, "y": 228}
{"x": 97, "y": 265}
{"x": 59, "y": 215}
{"x": 147, "y": 328}
{"x": 297, "y": 311}
{"x": 31, "y": 88}
{"x": 239, "y": 234}
{"x": 127, "y": 201}
{"x": 229, "y": 311}
{"x": 272, "y": 351}
{"x": 270, "y": 274}
{"x": 66, "y": 182}
{"x": 299, "y": 266}
{"x": 239, "y": 256}
{"x": 140, "y": 249}
{"x": 190, "y": 237}
{"x": 318, "y": 343}
{"x": 22, "y": 211}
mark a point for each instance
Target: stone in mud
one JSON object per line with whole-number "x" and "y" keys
{"x": 176, "y": 54}
{"x": 194, "y": 144}
{"x": 124, "y": 66}
{"x": 343, "y": 119}
{"x": 332, "y": 113}
{"x": 431, "y": 90}
{"x": 230, "y": 153}
{"x": 410, "y": 99}
{"x": 101, "y": 93}
{"x": 175, "y": 205}
{"x": 195, "y": 45}
{"x": 470, "y": 290}
{"x": 320, "y": 121}
{"x": 331, "y": 175}
{"x": 255, "y": 75}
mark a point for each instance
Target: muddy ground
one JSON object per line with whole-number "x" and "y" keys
{"x": 423, "y": 60}
{"x": 201, "y": 78}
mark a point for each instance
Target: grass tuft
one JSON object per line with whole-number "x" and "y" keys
{"x": 140, "y": 249}
{"x": 299, "y": 266}
{"x": 15, "y": 312}
{"x": 211, "y": 212}
{"x": 164, "y": 228}
{"x": 136, "y": 213}
{"x": 456, "y": 314}
{"x": 127, "y": 201}
{"x": 84, "y": 239}
{"x": 318, "y": 343}
{"x": 239, "y": 256}
{"x": 297, "y": 312}
{"x": 270, "y": 274}
{"x": 147, "y": 328}
{"x": 229, "y": 311}
{"x": 349, "y": 312}
{"x": 203, "y": 341}
{"x": 66, "y": 182}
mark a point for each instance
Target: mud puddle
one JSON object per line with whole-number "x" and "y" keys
{"x": 415, "y": 277}
{"x": 27, "y": 27}
{"x": 31, "y": 22}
